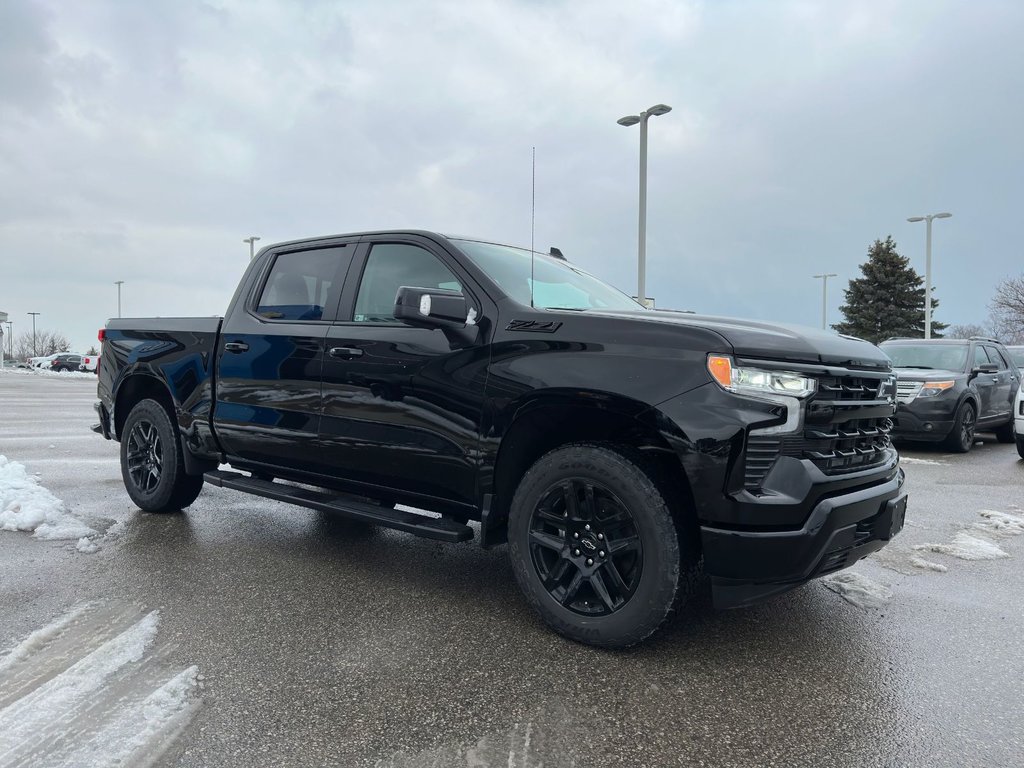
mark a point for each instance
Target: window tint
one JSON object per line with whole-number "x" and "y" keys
{"x": 388, "y": 268}
{"x": 980, "y": 358}
{"x": 995, "y": 356}
{"x": 299, "y": 284}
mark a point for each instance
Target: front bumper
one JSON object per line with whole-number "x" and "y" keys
{"x": 924, "y": 419}
{"x": 748, "y": 566}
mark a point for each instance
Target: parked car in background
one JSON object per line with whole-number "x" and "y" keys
{"x": 90, "y": 364}
{"x": 1017, "y": 355}
{"x": 41, "y": 362}
{"x": 65, "y": 362}
{"x": 15, "y": 364}
{"x": 947, "y": 389}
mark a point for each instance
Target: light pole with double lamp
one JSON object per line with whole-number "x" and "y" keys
{"x": 628, "y": 120}
{"x": 824, "y": 297}
{"x": 252, "y": 245}
{"x": 928, "y": 268}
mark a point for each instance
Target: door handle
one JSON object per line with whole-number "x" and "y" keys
{"x": 345, "y": 353}
{"x": 236, "y": 346}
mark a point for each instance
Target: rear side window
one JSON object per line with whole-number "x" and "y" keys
{"x": 299, "y": 284}
{"x": 388, "y": 268}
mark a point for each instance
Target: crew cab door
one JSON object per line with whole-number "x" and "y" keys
{"x": 402, "y": 406}
{"x": 271, "y": 355}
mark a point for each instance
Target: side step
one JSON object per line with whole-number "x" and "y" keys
{"x": 442, "y": 528}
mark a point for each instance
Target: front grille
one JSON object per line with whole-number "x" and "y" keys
{"x": 846, "y": 429}
{"x": 906, "y": 391}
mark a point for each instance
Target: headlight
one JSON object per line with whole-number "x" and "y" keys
{"x": 933, "y": 388}
{"x": 758, "y": 381}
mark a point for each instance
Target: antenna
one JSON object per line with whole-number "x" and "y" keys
{"x": 533, "y": 218}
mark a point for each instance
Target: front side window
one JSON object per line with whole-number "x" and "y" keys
{"x": 299, "y": 284}
{"x": 543, "y": 281}
{"x": 996, "y": 357}
{"x": 390, "y": 266}
{"x": 980, "y": 358}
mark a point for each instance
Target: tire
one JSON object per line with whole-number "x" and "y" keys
{"x": 1004, "y": 434}
{"x": 599, "y": 500}
{"x": 155, "y": 478}
{"x": 1020, "y": 446}
{"x": 961, "y": 438}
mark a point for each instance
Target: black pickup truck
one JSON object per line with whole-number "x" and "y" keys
{"x": 420, "y": 382}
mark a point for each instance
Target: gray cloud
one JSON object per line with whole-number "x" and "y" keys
{"x": 142, "y": 141}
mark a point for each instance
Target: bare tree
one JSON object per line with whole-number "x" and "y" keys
{"x": 967, "y": 330}
{"x": 45, "y": 343}
{"x": 1008, "y": 310}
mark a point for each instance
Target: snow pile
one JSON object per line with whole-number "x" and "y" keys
{"x": 87, "y": 546}
{"x": 928, "y": 565}
{"x": 912, "y": 460}
{"x": 1000, "y": 524}
{"x": 27, "y": 506}
{"x": 858, "y": 590}
{"x": 966, "y": 547}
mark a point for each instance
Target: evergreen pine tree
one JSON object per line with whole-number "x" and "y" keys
{"x": 888, "y": 300}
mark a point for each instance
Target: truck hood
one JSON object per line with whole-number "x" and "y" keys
{"x": 926, "y": 374}
{"x": 772, "y": 341}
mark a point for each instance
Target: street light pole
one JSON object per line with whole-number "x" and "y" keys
{"x": 10, "y": 332}
{"x": 824, "y": 297}
{"x": 928, "y": 267}
{"x": 251, "y": 240}
{"x": 641, "y": 258}
{"x": 34, "y": 352}
{"x": 119, "y": 283}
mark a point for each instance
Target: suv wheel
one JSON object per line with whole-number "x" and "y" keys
{"x": 1020, "y": 445}
{"x": 1005, "y": 433}
{"x": 961, "y": 437}
{"x": 152, "y": 465}
{"x": 595, "y": 548}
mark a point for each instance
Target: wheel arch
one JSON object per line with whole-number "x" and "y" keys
{"x": 545, "y": 423}
{"x": 135, "y": 388}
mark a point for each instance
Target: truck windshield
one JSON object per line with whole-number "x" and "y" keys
{"x": 555, "y": 284}
{"x": 945, "y": 357}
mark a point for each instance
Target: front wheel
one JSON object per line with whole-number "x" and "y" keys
{"x": 1005, "y": 433}
{"x": 961, "y": 437}
{"x": 152, "y": 465}
{"x": 595, "y": 548}
{"x": 1020, "y": 446}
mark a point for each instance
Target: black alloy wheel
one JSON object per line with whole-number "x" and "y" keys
{"x": 145, "y": 456}
{"x": 961, "y": 437}
{"x": 601, "y": 543}
{"x": 152, "y": 463}
{"x": 585, "y": 547}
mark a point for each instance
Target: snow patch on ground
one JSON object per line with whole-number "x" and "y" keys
{"x": 912, "y": 460}
{"x": 858, "y": 590}
{"x": 89, "y": 689}
{"x": 87, "y": 546}
{"x": 928, "y": 565}
{"x": 966, "y": 547}
{"x": 999, "y": 524}
{"x": 25, "y": 505}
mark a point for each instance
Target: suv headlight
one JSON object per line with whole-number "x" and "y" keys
{"x": 933, "y": 388}
{"x": 758, "y": 381}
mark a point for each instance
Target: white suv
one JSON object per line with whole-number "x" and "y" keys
{"x": 1018, "y": 421}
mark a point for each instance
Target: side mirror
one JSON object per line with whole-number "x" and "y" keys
{"x": 438, "y": 308}
{"x": 986, "y": 368}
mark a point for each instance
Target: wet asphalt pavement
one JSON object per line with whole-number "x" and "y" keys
{"x": 326, "y": 643}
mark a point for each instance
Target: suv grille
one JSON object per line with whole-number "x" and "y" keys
{"x": 906, "y": 391}
{"x": 846, "y": 429}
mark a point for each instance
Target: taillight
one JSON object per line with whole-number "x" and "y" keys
{"x": 101, "y": 334}
{"x": 85, "y": 360}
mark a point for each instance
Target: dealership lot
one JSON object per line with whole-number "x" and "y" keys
{"x": 308, "y": 640}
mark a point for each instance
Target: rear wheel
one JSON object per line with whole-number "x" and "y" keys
{"x": 152, "y": 465}
{"x": 1020, "y": 445}
{"x": 1005, "y": 433}
{"x": 961, "y": 437}
{"x": 595, "y": 548}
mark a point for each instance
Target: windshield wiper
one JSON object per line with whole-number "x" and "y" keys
{"x": 918, "y": 367}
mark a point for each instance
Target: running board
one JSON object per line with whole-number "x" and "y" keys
{"x": 440, "y": 528}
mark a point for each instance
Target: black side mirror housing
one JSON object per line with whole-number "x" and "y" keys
{"x": 438, "y": 308}
{"x": 986, "y": 368}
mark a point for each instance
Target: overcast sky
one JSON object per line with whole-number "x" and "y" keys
{"x": 141, "y": 141}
